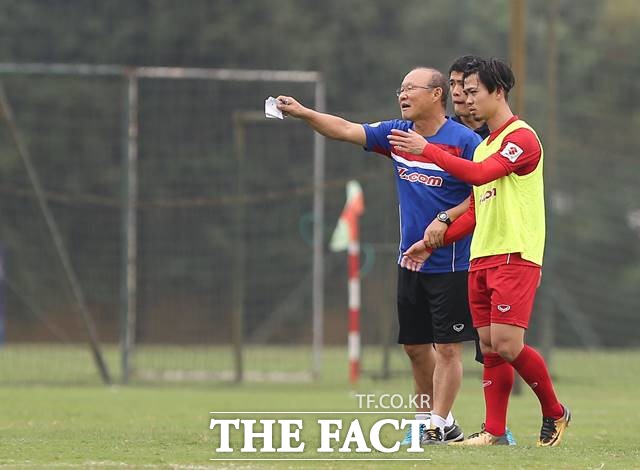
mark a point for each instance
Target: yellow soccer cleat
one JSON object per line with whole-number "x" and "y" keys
{"x": 552, "y": 429}
{"x": 483, "y": 438}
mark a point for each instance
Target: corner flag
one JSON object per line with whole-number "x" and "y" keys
{"x": 346, "y": 236}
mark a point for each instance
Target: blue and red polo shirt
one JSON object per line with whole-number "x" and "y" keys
{"x": 424, "y": 189}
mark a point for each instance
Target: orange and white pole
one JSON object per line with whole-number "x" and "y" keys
{"x": 347, "y": 236}
{"x": 354, "y": 302}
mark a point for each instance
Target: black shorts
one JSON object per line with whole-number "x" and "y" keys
{"x": 433, "y": 308}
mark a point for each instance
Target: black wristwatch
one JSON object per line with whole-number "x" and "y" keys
{"x": 443, "y": 217}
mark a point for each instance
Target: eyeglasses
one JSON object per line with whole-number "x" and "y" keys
{"x": 410, "y": 88}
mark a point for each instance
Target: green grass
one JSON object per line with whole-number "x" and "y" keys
{"x": 166, "y": 425}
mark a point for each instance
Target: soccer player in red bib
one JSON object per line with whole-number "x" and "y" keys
{"x": 507, "y": 217}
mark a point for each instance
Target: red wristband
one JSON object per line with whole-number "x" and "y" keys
{"x": 429, "y": 250}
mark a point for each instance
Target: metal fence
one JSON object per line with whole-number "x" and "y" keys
{"x": 142, "y": 198}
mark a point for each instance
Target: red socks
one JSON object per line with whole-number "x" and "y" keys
{"x": 497, "y": 380}
{"x": 533, "y": 370}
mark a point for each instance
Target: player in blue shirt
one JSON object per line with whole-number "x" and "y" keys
{"x": 432, "y": 304}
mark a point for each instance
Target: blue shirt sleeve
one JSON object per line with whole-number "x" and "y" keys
{"x": 377, "y": 133}
{"x": 472, "y": 141}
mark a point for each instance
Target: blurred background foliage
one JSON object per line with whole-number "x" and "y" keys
{"x": 363, "y": 48}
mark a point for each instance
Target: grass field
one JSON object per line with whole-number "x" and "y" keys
{"x": 145, "y": 425}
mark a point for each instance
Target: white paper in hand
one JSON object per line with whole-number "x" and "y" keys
{"x": 270, "y": 108}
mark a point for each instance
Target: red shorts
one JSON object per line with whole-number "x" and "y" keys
{"x": 503, "y": 294}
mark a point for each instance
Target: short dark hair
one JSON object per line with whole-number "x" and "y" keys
{"x": 461, "y": 63}
{"x": 492, "y": 73}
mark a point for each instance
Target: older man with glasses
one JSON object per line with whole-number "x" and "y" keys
{"x": 433, "y": 310}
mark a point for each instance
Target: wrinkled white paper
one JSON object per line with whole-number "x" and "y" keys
{"x": 270, "y": 109}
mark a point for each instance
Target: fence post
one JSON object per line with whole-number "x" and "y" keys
{"x": 318, "y": 231}
{"x": 2, "y": 302}
{"x": 240, "y": 251}
{"x": 130, "y": 226}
